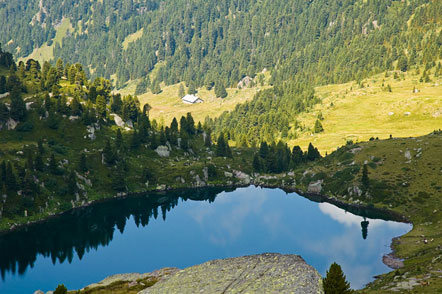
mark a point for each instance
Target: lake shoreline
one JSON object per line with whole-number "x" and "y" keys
{"x": 356, "y": 208}
{"x": 319, "y": 198}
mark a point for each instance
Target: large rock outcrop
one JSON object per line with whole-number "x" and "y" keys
{"x": 264, "y": 273}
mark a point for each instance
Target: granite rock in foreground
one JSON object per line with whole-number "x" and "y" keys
{"x": 264, "y": 273}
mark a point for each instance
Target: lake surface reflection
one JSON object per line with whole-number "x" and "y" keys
{"x": 181, "y": 229}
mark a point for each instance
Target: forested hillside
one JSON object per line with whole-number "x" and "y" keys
{"x": 217, "y": 43}
{"x": 206, "y": 42}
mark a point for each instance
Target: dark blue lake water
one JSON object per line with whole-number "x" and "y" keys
{"x": 181, "y": 229}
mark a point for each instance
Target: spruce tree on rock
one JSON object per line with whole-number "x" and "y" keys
{"x": 335, "y": 281}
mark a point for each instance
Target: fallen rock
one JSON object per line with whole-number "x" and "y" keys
{"x": 11, "y": 124}
{"x": 392, "y": 262}
{"x": 163, "y": 151}
{"x": 315, "y": 187}
{"x": 263, "y": 273}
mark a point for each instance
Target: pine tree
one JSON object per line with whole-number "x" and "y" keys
{"x": 335, "y": 281}
{"x": 221, "y": 146}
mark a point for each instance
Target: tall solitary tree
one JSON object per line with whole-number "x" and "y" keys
{"x": 335, "y": 281}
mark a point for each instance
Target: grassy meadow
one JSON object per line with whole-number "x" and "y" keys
{"x": 356, "y": 113}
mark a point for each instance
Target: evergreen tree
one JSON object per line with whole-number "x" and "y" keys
{"x": 108, "y": 153}
{"x": 153, "y": 142}
{"x": 335, "y": 281}
{"x": 53, "y": 168}
{"x": 76, "y": 107}
{"x": 318, "y": 127}
{"x": 190, "y": 124}
{"x": 297, "y": 155}
{"x": 263, "y": 150}
{"x": 18, "y": 106}
{"x": 208, "y": 139}
{"x": 60, "y": 68}
{"x": 61, "y": 289}
{"x": 38, "y": 163}
{"x": 4, "y": 112}
{"x": 135, "y": 140}
{"x": 116, "y": 104}
{"x": 82, "y": 163}
{"x": 364, "y": 227}
{"x": 119, "y": 180}
{"x": 312, "y": 153}
{"x": 192, "y": 89}
{"x": 119, "y": 143}
{"x": 2, "y": 84}
{"x": 156, "y": 88}
{"x": 220, "y": 90}
{"x": 174, "y": 126}
{"x": 101, "y": 107}
{"x": 365, "y": 180}
{"x": 402, "y": 64}
{"x": 181, "y": 91}
{"x": 41, "y": 149}
{"x": 221, "y": 146}
{"x": 256, "y": 163}
{"x": 72, "y": 183}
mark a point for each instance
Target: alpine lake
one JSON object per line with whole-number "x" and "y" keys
{"x": 184, "y": 228}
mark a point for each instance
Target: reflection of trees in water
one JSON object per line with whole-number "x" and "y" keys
{"x": 364, "y": 226}
{"x": 86, "y": 228}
